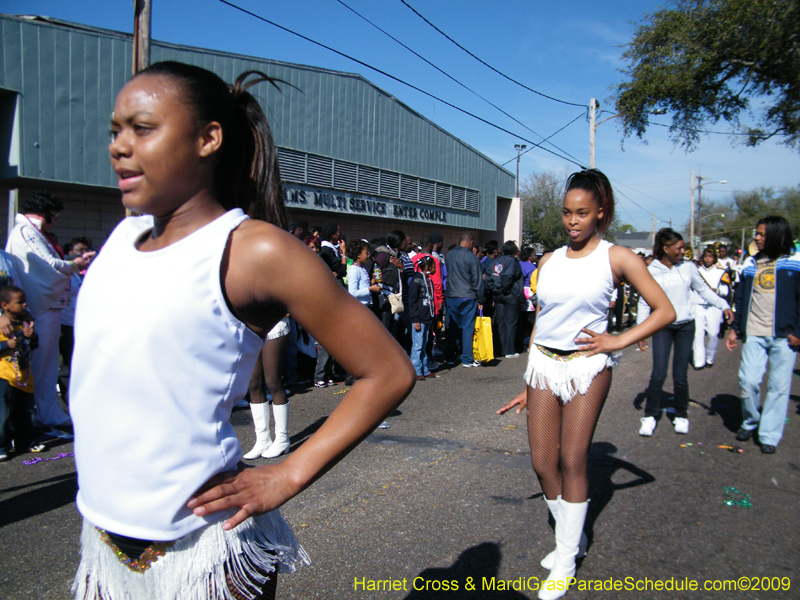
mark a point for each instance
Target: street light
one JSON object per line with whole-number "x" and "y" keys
{"x": 593, "y": 106}
{"x": 519, "y": 148}
{"x": 699, "y": 186}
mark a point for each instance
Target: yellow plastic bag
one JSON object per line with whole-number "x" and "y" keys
{"x": 482, "y": 344}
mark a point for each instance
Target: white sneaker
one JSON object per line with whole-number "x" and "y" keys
{"x": 470, "y": 365}
{"x": 681, "y": 425}
{"x": 648, "y": 426}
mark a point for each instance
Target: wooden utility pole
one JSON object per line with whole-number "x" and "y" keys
{"x": 141, "y": 41}
{"x": 141, "y": 34}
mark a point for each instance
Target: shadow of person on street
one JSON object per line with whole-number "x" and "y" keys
{"x": 603, "y": 471}
{"x": 473, "y": 575}
{"x": 729, "y": 407}
{"x": 58, "y": 491}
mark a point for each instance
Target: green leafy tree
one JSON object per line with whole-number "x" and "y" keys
{"x": 709, "y": 60}
{"x": 542, "y": 196}
{"x": 744, "y": 209}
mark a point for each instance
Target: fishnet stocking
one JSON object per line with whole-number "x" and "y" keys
{"x": 267, "y": 372}
{"x": 560, "y": 434}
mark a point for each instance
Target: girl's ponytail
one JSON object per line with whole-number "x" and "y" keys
{"x": 262, "y": 196}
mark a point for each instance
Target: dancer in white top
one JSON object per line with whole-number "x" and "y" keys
{"x": 569, "y": 373}
{"x": 167, "y": 334}
{"x": 707, "y": 317}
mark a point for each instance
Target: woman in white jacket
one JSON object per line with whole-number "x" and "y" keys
{"x": 678, "y": 278}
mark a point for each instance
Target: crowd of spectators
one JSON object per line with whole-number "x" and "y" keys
{"x": 427, "y": 299}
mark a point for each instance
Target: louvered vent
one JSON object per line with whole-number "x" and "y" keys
{"x": 473, "y": 200}
{"x": 459, "y": 198}
{"x": 442, "y": 194}
{"x": 320, "y": 171}
{"x": 368, "y": 180}
{"x": 408, "y": 188}
{"x": 427, "y": 191}
{"x": 345, "y": 175}
{"x": 390, "y": 184}
{"x": 312, "y": 169}
{"x": 292, "y": 165}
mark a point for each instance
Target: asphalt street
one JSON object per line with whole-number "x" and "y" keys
{"x": 446, "y": 498}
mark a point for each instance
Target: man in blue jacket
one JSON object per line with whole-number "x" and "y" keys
{"x": 768, "y": 320}
{"x": 464, "y": 297}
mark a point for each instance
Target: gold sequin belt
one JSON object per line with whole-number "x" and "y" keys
{"x": 562, "y": 357}
{"x": 141, "y": 563}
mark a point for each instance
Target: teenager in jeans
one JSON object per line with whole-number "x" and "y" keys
{"x": 767, "y": 303}
{"x": 678, "y": 277}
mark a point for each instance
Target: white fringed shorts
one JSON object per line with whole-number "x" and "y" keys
{"x": 195, "y": 567}
{"x": 280, "y": 330}
{"x": 566, "y": 376}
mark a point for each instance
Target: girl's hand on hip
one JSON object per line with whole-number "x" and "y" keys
{"x": 253, "y": 490}
{"x": 596, "y": 342}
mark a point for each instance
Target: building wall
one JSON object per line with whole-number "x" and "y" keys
{"x": 367, "y": 229}
{"x": 87, "y": 212}
{"x": 66, "y": 76}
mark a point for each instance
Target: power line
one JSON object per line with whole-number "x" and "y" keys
{"x": 545, "y": 139}
{"x": 642, "y": 193}
{"x": 418, "y": 55}
{"x": 692, "y": 129}
{"x": 483, "y": 62}
{"x": 397, "y": 79}
{"x": 637, "y": 204}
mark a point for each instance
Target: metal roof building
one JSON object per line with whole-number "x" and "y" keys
{"x": 349, "y": 151}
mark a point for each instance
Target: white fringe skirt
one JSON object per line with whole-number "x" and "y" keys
{"x": 280, "y": 330}
{"x": 566, "y": 376}
{"x": 195, "y": 567}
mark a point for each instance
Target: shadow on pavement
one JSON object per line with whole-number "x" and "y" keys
{"x": 60, "y": 492}
{"x": 602, "y": 469}
{"x": 473, "y": 565}
{"x": 729, "y": 407}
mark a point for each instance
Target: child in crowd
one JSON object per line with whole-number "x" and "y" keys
{"x": 358, "y": 280}
{"x": 16, "y": 382}
{"x": 421, "y": 311}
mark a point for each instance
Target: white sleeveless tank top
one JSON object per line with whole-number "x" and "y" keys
{"x": 573, "y": 293}
{"x": 159, "y": 363}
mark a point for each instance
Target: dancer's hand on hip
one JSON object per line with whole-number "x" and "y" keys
{"x": 253, "y": 490}
{"x": 597, "y": 342}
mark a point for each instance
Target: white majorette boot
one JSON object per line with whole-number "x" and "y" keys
{"x": 549, "y": 561}
{"x": 260, "y": 414}
{"x": 281, "y": 443}
{"x": 568, "y": 536}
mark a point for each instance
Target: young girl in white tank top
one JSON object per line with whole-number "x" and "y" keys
{"x": 172, "y": 317}
{"x": 569, "y": 362}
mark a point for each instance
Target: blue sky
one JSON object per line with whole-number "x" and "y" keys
{"x": 569, "y": 50}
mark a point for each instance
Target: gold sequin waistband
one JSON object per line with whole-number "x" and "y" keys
{"x": 562, "y": 357}
{"x": 141, "y": 563}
